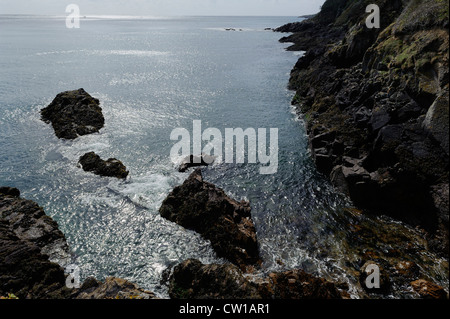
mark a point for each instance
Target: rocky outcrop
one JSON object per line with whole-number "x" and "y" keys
{"x": 27, "y": 238}
{"x": 193, "y": 280}
{"x": 25, "y": 271}
{"x": 111, "y": 288}
{"x": 74, "y": 113}
{"x": 375, "y": 103}
{"x": 29, "y": 223}
{"x": 195, "y": 161}
{"x": 112, "y": 167}
{"x": 428, "y": 290}
{"x": 33, "y": 252}
{"x": 206, "y": 209}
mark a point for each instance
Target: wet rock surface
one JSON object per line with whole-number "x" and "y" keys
{"x": 429, "y": 290}
{"x": 111, "y": 288}
{"x": 112, "y": 167}
{"x": 29, "y": 223}
{"x": 193, "y": 280}
{"x": 74, "y": 113}
{"x": 206, "y": 209}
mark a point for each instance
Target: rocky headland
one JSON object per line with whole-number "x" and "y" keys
{"x": 375, "y": 104}
{"x": 34, "y": 252}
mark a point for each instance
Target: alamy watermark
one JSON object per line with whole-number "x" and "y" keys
{"x": 373, "y": 20}
{"x": 73, "y": 278}
{"x": 73, "y": 19}
{"x": 373, "y": 276}
{"x": 232, "y": 151}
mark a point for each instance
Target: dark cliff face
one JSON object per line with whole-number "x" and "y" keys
{"x": 31, "y": 244}
{"x": 375, "y": 102}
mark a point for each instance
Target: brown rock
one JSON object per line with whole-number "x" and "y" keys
{"x": 428, "y": 290}
{"x": 112, "y": 288}
{"x": 193, "y": 280}
{"x": 407, "y": 269}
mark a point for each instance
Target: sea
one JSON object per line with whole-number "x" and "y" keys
{"x": 153, "y": 75}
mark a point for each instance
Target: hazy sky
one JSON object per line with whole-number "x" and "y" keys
{"x": 164, "y": 7}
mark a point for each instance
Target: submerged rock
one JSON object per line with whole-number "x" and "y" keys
{"x": 206, "y": 209}
{"x": 112, "y": 167}
{"x": 195, "y": 161}
{"x": 193, "y": 280}
{"x": 74, "y": 113}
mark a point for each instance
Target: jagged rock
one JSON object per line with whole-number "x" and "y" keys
{"x": 407, "y": 269}
{"x": 74, "y": 113}
{"x": 383, "y": 94}
{"x": 10, "y": 191}
{"x": 206, "y": 209}
{"x": 112, "y": 288}
{"x": 28, "y": 239}
{"x": 30, "y": 223}
{"x": 25, "y": 271}
{"x": 297, "y": 284}
{"x": 112, "y": 167}
{"x": 193, "y": 280}
{"x": 428, "y": 290}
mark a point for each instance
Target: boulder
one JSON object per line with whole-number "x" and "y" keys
{"x": 74, "y": 113}
{"x": 25, "y": 271}
{"x": 193, "y": 280}
{"x": 112, "y": 288}
{"x": 437, "y": 119}
{"x": 32, "y": 254}
{"x": 195, "y": 161}
{"x": 112, "y": 167}
{"x": 428, "y": 290}
{"x": 29, "y": 223}
{"x": 206, "y": 209}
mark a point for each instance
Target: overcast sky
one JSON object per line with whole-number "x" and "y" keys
{"x": 164, "y": 7}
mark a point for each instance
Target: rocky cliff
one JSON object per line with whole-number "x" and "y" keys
{"x": 33, "y": 252}
{"x": 375, "y": 104}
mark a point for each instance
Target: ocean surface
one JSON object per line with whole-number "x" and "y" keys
{"x": 153, "y": 75}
